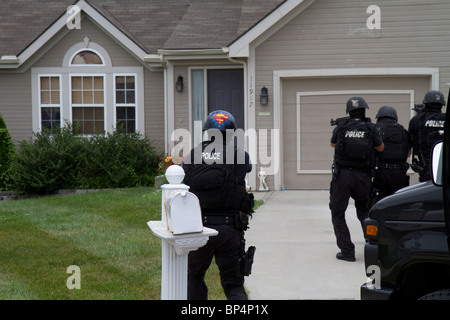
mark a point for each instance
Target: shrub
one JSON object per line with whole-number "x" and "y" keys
{"x": 7, "y": 150}
{"x": 48, "y": 162}
{"x": 118, "y": 160}
{"x": 64, "y": 160}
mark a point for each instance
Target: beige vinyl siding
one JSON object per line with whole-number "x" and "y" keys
{"x": 15, "y": 104}
{"x": 181, "y": 99}
{"x": 154, "y": 107}
{"x": 333, "y": 35}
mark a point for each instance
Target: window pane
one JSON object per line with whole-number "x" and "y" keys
{"x": 76, "y": 83}
{"x": 98, "y": 97}
{"x": 45, "y": 97}
{"x": 130, "y": 96}
{"x": 88, "y": 97}
{"x": 76, "y": 97}
{"x": 131, "y": 113}
{"x": 50, "y": 118}
{"x": 98, "y": 83}
{"x": 99, "y": 127}
{"x": 87, "y": 83}
{"x": 89, "y": 120}
{"x": 45, "y": 84}
{"x": 54, "y": 83}
{"x": 130, "y": 83}
{"x": 120, "y": 82}
{"x": 121, "y": 113}
{"x": 54, "y": 97}
{"x": 120, "y": 96}
{"x": 126, "y": 119}
{"x": 125, "y": 92}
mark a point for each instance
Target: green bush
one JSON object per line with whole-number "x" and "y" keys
{"x": 7, "y": 150}
{"x": 64, "y": 160}
{"x": 47, "y": 163}
{"x": 118, "y": 160}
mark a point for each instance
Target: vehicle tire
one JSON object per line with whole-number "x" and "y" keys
{"x": 438, "y": 295}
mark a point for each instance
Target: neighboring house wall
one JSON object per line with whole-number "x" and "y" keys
{"x": 330, "y": 41}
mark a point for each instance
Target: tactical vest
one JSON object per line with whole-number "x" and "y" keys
{"x": 218, "y": 189}
{"x": 354, "y": 147}
{"x": 396, "y": 144}
{"x": 430, "y": 129}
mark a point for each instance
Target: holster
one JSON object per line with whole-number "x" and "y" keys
{"x": 241, "y": 221}
{"x": 246, "y": 262}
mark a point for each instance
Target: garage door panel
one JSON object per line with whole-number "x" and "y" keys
{"x": 307, "y": 155}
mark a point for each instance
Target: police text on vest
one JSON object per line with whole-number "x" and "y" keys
{"x": 435, "y": 123}
{"x": 355, "y": 134}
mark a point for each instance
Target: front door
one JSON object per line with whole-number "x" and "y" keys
{"x": 226, "y": 92}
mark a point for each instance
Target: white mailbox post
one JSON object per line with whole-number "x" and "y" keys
{"x": 180, "y": 230}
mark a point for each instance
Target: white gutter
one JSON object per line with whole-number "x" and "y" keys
{"x": 9, "y": 59}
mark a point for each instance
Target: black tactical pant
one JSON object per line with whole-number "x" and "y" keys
{"x": 227, "y": 249}
{"x": 389, "y": 178}
{"x": 348, "y": 183}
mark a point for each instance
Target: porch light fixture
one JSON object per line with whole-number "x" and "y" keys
{"x": 264, "y": 98}
{"x": 179, "y": 84}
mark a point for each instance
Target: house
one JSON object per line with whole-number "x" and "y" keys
{"x": 159, "y": 67}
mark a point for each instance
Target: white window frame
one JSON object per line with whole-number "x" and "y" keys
{"x": 65, "y": 73}
{"x": 94, "y": 105}
{"x": 116, "y": 105}
{"x": 51, "y": 105}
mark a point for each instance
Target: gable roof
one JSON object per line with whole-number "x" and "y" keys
{"x": 149, "y": 25}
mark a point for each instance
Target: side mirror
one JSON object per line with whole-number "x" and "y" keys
{"x": 436, "y": 164}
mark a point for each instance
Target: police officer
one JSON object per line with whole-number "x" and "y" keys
{"x": 215, "y": 172}
{"x": 354, "y": 140}
{"x": 391, "y": 163}
{"x": 425, "y": 129}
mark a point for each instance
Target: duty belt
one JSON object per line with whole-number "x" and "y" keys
{"x": 218, "y": 219}
{"x": 391, "y": 166}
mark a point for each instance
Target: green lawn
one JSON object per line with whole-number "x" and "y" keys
{"x": 105, "y": 233}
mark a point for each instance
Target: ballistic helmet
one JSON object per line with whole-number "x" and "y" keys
{"x": 388, "y": 112}
{"x": 221, "y": 120}
{"x": 355, "y": 103}
{"x": 434, "y": 98}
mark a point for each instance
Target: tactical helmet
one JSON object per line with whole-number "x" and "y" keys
{"x": 355, "y": 103}
{"x": 434, "y": 97}
{"x": 221, "y": 120}
{"x": 388, "y": 112}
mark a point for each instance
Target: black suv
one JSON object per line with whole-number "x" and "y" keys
{"x": 407, "y": 252}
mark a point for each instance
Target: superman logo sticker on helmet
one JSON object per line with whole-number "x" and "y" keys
{"x": 220, "y": 118}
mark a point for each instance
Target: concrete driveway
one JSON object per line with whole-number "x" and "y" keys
{"x": 296, "y": 249}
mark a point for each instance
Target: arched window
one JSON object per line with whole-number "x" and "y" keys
{"x": 86, "y": 57}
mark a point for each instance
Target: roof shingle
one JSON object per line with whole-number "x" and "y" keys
{"x": 152, "y": 24}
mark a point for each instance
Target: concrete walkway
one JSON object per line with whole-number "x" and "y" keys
{"x": 296, "y": 249}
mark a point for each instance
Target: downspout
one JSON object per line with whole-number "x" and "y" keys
{"x": 165, "y": 112}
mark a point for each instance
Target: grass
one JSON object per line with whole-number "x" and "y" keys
{"x": 105, "y": 233}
